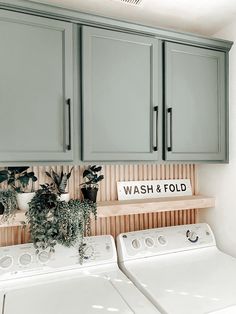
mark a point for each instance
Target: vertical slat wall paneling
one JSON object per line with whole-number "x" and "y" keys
{"x": 108, "y": 192}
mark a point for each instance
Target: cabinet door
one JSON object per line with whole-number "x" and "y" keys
{"x": 120, "y": 96}
{"x": 35, "y": 88}
{"x": 195, "y": 104}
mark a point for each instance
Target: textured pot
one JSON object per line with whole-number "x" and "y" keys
{"x": 23, "y": 199}
{"x": 90, "y": 194}
{"x": 65, "y": 197}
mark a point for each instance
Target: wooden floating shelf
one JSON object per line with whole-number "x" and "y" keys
{"x": 18, "y": 220}
{"x": 120, "y": 208}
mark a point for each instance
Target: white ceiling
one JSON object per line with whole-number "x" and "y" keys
{"x": 200, "y": 16}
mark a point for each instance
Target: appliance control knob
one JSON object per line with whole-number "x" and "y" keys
{"x": 44, "y": 257}
{"x": 25, "y": 259}
{"x": 88, "y": 251}
{"x": 192, "y": 236}
{"x": 149, "y": 242}
{"x": 6, "y": 262}
{"x": 162, "y": 240}
{"x": 136, "y": 244}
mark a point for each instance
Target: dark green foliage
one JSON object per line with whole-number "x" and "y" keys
{"x": 59, "y": 181}
{"x": 3, "y": 175}
{"x": 53, "y": 221}
{"x": 9, "y": 204}
{"x": 91, "y": 174}
{"x": 17, "y": 178}
{"x": 41, "y": 218}
{"x": 74, "y": 220}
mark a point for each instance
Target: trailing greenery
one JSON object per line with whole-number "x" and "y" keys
{"x": 91, "y": 176}
{"x": 59, "y": 181}
{"x": 8, "y": 203}
{"x": 53, "y": 221}
{"x": 41, "y": 218}
{"x": 18, "y": 178}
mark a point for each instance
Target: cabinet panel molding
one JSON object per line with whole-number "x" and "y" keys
{"x": 120, "y": 96}
{"x": 35, "y": 85}
{"x": 195, "y": 104}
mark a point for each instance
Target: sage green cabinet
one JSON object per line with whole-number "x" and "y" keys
{"x": 122, "y": 88}
{"x": 120, "y": 96}
{"x": 35, "y": 89}
{"x": 143, "y": 98}
{"x": 195, "y": 104}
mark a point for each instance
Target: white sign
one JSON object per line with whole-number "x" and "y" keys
{"x": 132, "y": 190}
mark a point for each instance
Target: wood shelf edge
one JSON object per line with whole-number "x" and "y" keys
{"x": 119, "y": 208}
{"x": 17, "y": 221}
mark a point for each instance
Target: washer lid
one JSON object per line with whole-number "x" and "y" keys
{"x": 197, "y": 282}
{"x": 87, "y": 295}
{"x": 227, "y": 310}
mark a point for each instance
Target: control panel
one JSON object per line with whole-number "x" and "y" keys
{"x": 158, "y": 241}
{"x": 22, "y": 260}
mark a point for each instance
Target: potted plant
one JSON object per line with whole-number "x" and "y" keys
{"x": 74, "y": 222}
{"x": 60, "y": 183}
{"x": 19, "y": 179}
{"x": 8, "y": 204}
{"x": 41, "y": 218}
{"x": 53, "y": 221}
{"x": 90, "y": 186}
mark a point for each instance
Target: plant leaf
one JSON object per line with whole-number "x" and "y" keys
{"x": 3, "y": 175}
{"x": 87, "y": 173}
{"x": 97, "y": 169}
{"x": 69, "y": 174}
{"x": 63, "y": 184}
{"x": 24, "y": 180}
{"x": 17, "y": 169}
{"x": 56, "y": 178}
{"x": 100, "y": 178}
{"x": 48, "y": 174}
{"x": 34, "y": 178}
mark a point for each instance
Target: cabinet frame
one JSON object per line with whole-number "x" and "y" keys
{"x": 221, "y": 155}
{"x": 66, "y": 154}
{"x": 88, "y": 33}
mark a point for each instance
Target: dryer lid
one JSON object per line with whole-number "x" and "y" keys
{"x": 197, "y": 281}
{"x": 227, "y": 310}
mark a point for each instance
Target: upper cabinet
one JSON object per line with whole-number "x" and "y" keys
{"x": 122, "y": 99}
{"x": 121, "y": 96}
{"x": 35, "y": 89}
{"x": 111, "y": 91}
{"x": 195, "y": 104}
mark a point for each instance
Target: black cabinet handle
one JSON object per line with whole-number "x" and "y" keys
{"x": 155, "y": 147}
{"x": 68, "y": 102}
{"x": 169, "y": 112}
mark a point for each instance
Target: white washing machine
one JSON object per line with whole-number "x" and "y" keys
{"x": 180, "y": 269}
{"x": 58, "y": 284}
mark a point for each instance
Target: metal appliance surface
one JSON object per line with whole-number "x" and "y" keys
{"x": 180, "y": 269}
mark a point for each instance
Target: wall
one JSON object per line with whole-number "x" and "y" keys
{"x": 108, "y": 192}
{"x": 220, "y": 180}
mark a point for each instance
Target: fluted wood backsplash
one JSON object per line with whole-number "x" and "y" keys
{"x": 108, "y": 191}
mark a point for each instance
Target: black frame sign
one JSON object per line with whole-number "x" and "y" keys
{"x": 131, "y": 190}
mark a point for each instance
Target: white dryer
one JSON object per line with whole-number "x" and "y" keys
{"x": 58, "y": 284}
{"x": 180, "y": 269}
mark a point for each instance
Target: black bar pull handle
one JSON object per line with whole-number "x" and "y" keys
{"x": 68, "y": 102}
{"x": 155, "y": 147}
{"x": 169, "y": 134}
